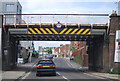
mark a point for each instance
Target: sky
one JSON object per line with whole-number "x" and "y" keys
{"x": 66, "y": 7}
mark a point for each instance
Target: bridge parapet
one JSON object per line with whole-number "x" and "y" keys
{"x": 54, "y": 18}
{"x": 80, "y": 24}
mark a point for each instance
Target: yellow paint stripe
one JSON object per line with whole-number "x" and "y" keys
{"x": 85, "y": 31}
{"x": 49, "y": 30}
{"x": 54, "y": 30}
{"x": 89, "y": 33}
{"x": 43, "y": 31}
{"x": 79, "y": 31}
{"x": 74, "y": 31}
{"x": 32, "y": 31}
{"x": 68, "y": 31}
{"x": 29, "y": 32}
{"x": 37, "y": 30}
{"x": 63, "y": 31}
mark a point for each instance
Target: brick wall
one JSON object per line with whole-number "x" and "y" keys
{"x": 56, "y": 50}
{"x": 64, "y": 50}
{"x": 114, "y": 25}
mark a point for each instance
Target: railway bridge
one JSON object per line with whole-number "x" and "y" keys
{"x": 22, "y": 27}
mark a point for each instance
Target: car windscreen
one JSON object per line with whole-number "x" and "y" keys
{"x": 45, "y": 62}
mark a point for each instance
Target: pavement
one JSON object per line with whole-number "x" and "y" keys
{"x": 85, "y": 69}
{"x": 77, "y": 66}
{"x": 20, "y": 71}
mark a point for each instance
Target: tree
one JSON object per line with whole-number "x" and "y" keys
{"x": 73, "y": 48}
{"x": 49, "y": 50}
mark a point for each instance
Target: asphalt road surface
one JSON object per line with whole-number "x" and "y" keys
{"x": 65, "y": 72}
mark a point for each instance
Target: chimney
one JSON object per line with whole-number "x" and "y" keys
{"x": 114, "y": 13}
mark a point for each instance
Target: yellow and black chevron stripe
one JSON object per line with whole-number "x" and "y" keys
{"x": 71, "y": 31}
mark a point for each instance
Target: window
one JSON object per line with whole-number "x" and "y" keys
{"x": 20, "y": 12}
{"x": 10, "y": 7}
{"x": 45, "y": 62}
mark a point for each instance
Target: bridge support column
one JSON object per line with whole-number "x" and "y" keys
{"x": 9, "y": 50}
{"x": 96, "y": 54}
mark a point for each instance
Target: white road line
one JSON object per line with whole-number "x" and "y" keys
{"x": 65, "y": 78}
{"x": 26, "y": 75}
{"x": 94, "y": 76}
{"x": 58, "y": 73}
{"x": 69, "y": 64}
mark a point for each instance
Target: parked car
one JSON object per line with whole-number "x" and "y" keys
{"x": 71, "y": 58}
{"x": 46, "y": 67}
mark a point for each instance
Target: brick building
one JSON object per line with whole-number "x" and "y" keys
{"x": 63, "y": 50}
{"x": 80, "y": 47}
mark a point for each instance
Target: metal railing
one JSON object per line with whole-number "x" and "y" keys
{"x": 14, "y": 19}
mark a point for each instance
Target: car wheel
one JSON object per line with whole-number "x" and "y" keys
{"x": 54, "y": 74}
{"x": 37, "y": 74}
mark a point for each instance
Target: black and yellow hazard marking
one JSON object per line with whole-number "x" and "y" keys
{"x": 71, "y": 31}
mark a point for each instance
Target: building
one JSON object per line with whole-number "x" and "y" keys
{"x": 26, "y": 44}
{"x": 45, "y": 50}
{"x": 11, "y": 7}
{"x": 40, "y": 49}
{"x": 57, "y": 51}
{"x": 14, "y": 7}
{"x": 118, "y": 11}
{"x": 65, "y": 50}
{"x": 79, "y": 50}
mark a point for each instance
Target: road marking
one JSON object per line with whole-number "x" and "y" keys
{"x": 65, "y": 78}
{"x": 69, "y": 64}
{"x": 58, "y": 73}
{"x": 26, "y": 75}
{"x": 94, "y": 76}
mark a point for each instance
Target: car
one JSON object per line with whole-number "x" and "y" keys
{"x": 71, "y": 58}
{"x": 49, "y": 56}
{"x": 46, "y": 67}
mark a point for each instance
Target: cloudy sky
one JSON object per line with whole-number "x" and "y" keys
{"x": 66, "y": 6}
